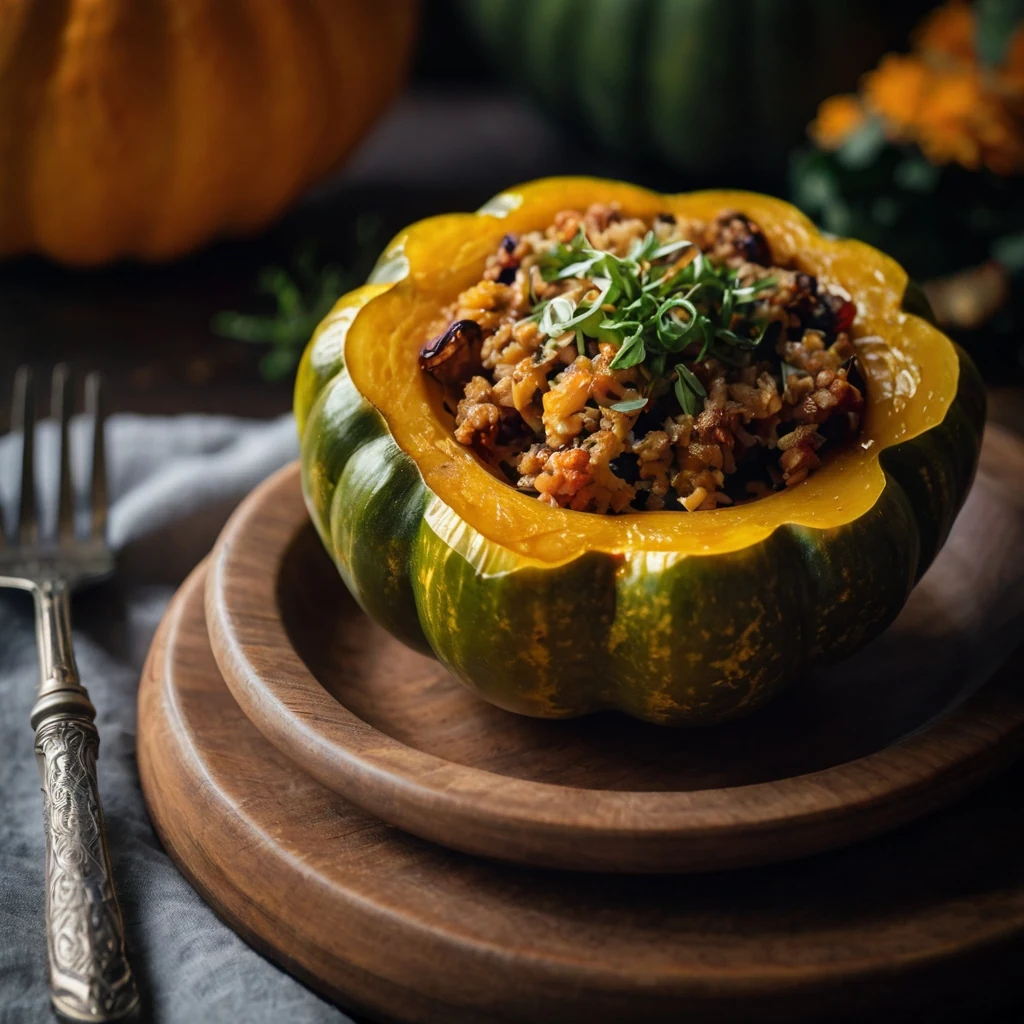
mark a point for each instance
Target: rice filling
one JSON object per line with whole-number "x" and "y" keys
{"x": 611, "y": 363}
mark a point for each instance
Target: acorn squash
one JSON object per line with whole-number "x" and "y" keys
{"x": 137, "y": 129}
{"x": 669, "y": 616}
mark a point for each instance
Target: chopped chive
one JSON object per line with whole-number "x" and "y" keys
{"x": 638, "y": 298}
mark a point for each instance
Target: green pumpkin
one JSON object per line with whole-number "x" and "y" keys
{"x": 720, "y": 86}
{"x": 679, "y": 618}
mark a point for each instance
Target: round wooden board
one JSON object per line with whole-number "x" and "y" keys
{"x": 929, "y": 917}
{"x": 860, "y": 748}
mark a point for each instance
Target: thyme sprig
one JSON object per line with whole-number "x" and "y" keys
{"x": 659, "y": 301}
{"x": 302, "y": 295}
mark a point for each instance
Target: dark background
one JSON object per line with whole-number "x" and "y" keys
{"x": 454, "y": 138}
{"x": 148, "y": 327}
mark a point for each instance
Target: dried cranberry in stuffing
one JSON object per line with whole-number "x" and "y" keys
{"x": 507, "y": 259}
{"x": 771, "y": 336}
{"x": 827, "y": 312}
{"x": 626, "y": 467}
{"x": 845, "y": 315}
{"x": 806, "y": 284}
{"x": 650, "y": 419}
{"x": 511, "y": 428}
{"x": 755, "y": 249}
{"x": 746, "y": 238}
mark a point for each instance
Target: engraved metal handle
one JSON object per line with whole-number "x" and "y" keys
{"x": 90, "y": 977}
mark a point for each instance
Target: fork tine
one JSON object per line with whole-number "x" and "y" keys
{"x": 94, "y": 406}
{"x": 61, "y": 407}
{"x": 24, "y": 419}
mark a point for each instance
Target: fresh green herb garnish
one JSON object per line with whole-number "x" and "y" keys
{"x": 653, "y": 310}
{"x": 688, "y": 389}
{"x": 631, "y": 405}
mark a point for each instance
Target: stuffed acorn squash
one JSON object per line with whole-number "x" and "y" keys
{"x": 779, "y": 437}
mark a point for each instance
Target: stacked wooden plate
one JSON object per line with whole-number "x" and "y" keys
{"x": 419, "y": 855}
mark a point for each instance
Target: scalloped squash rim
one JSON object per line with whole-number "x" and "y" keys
{"x": 903, "y": 400}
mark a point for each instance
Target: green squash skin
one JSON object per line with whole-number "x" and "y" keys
{"x": 936, "y": 470}
{"x": 646, "y": 78}
{"x": 691, "y": 641}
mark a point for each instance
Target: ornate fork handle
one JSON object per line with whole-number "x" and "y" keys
{"x": 90, "y": 977}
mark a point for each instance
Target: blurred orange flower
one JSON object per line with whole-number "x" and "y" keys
{"x": 941, "y": 98}
{"x": 948, "y": 31}
{"x": 896, "y": 90}
{"x": 962, "y": 122}
{"x": 838, "y": 118}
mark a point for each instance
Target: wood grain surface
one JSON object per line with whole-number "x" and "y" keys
{"x": 925, "y": 923}
{"x": 852, "y": 751}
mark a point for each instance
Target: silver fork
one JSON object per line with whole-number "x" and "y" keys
{"x": 90, "y": 977}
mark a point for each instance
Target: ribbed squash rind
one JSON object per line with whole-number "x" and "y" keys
{"x": 694, "y": 639}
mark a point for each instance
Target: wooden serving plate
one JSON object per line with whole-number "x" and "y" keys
{"x": 858, "y": 749}
{"x": 929, "y": 918}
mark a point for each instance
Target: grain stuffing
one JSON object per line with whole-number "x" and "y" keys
{"x": 610, "y": 363}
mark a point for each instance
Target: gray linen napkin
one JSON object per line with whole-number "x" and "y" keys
{"x": 173, "y": 481}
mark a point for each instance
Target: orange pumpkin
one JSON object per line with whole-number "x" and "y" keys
{"x": 142, "y": 129}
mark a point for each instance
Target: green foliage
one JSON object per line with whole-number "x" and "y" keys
{"x": 303, "y": 295}
{"x": 936, "y": 221}
{"x": 995, "y": 24}
{"x": 933, "y": 220}
{"x": 1009, "y": 250}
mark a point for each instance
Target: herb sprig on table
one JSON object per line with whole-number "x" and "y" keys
{"x": 660, "y": 303}
{"x": 303, "y": 295}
